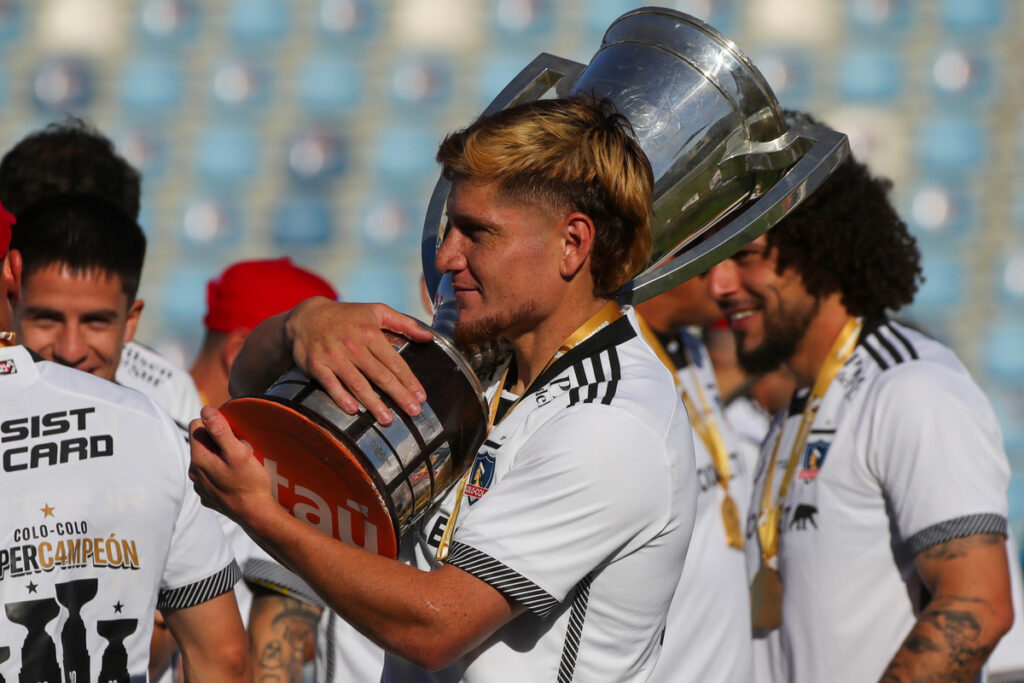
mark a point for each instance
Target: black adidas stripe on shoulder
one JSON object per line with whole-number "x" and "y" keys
{"x": 911, "y": 351}
{"x": 606, "y": 372}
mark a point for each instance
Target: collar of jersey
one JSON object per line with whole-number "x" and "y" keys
{"x": 613, "y": 334}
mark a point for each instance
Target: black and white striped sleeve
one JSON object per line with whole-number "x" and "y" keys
{"x": 200, "y": 591}
{"x": 504, "y": 579}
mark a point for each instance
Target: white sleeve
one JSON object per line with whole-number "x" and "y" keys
{"x": 591, "y": 482}
{"x": 936, "y": 448}
{"x": 200, "y": 565}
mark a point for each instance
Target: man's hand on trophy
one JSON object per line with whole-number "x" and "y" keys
{"x": 342, "y": 346}
{"x": 224, "y": 472}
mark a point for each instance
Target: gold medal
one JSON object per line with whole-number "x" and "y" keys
{"x": 731, "y": 519}
{"x": 766, "y": 599}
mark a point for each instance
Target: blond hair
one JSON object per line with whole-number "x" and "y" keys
{"x": 577, "y": 154}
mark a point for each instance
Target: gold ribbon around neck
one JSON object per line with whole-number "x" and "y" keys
{"x": 704, "y": 425}
{"x": 608, "y": 314}
{"x": 766, "y": 588}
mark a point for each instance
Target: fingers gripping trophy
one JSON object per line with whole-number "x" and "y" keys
{"x": 727, "y": 166}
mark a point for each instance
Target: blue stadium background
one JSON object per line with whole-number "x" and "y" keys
{"x": 308, "y": 128}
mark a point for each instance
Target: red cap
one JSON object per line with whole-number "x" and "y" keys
{"x": 249, "y": 292}
{"x": 6, "y": 221}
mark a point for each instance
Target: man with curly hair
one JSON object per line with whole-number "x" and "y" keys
{"x": 879, "y": 509}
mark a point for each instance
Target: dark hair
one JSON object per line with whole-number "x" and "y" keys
{"x": 67, "y": 157}
{"x": 847, "y": 237}
{"x": 83, "y": 232}
{"x": 576, "y": 153}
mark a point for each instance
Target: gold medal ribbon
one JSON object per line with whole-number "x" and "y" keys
{"x": 703, "y": 423}
{"x": 608, "y": 314}
{"x": 769, "y": 513}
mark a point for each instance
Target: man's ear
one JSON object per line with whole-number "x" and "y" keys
{"x": 231, "y": 348}
{"x": 11, "y": 275}
{"x": 132, "y": 321}
{"x": 578, "y": 234}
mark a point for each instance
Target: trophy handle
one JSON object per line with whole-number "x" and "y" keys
{"x": 538, "y": 77}
{"x": 828, "y": 150}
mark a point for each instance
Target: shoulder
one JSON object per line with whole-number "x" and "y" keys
{"x": 170, "y": 386}
{"x": 96, "y": 390}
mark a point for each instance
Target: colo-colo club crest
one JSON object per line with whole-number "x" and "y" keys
{"x": 480, "y": 477}
{"x": 812, "y": 459}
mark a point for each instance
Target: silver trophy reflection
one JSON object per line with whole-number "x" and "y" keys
{"x": 727, "y": 167}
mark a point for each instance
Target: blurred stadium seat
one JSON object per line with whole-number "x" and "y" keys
{"x": 303, "y": 221}
{"x": 962, "y": 76}
{"x": 387, "y": 284}
{"x": 341, "y": 21}
{"x": 871, "y": 73}
{"x": 211, "y": 222}
{"x": 951, "y": 144}
{"x": 875, "y": 17}
{"x": 227, "y": 156}
{"x": 975, "y": 15}
{"x": 145, "y": 148}
{"x": 63, "y": 84}
{"x": 330, "y": 83}
{"x": 1010, "y": 278}
{"x": 405, "y": 150}
{"x": 522, "y": 19}
{"x": 940, "y": 211}
{"x": 241, "y": 85}
{"x": 12, "y": 21}
{"x": 316, "y": 155}
{"x": 1003, "y": 348}
{"x": 171, "y": 23}
{"x": 391, "y": 222}
{"x": 257, "y": 23}
{"x": 151, "y": 87}
{"x": 421, "y": 81}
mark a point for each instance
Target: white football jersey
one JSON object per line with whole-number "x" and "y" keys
{"x": 707, "y": 637}
{"x": 145, "y": 370}
{"x": 579, "y": 506}
{"x": 905, "y": 452}
{"x": 101, "y": 525}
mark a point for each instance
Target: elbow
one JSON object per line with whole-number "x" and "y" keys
{"x": 432, "y": 652}
{"x": 236, "y": 663}
{"x": 1002, "y": 620}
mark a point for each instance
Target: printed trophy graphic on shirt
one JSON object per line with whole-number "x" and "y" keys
{"x": 114, "y": 665}
{"x": 73, "y": 595}
{"x": 727, "y": 167}
{"x": 38, "y": 652}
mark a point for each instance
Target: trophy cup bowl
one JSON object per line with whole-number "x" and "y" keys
{"x": 727, "y": 166}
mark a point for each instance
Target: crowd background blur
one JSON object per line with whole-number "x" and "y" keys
{"x": 308, "y": 128}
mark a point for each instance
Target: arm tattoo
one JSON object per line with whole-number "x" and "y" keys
{"x": 281, "y": 631}
{"x": 949, "y": 633}
{"x": 958, "y": 547}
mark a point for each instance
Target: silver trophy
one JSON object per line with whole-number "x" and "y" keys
{"x": 726, "y": 169}
{"x": 726, "y": 164}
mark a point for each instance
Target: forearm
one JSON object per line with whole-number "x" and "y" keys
{"x": 415, "y": 614}
{"x": 264, "y": 357}
{"x": 950, "y": 642}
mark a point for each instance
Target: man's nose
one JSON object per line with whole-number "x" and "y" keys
{"x": 723, "y": 280}
{"x": 451, "y": 256}
{"x": 70, "y": 348}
